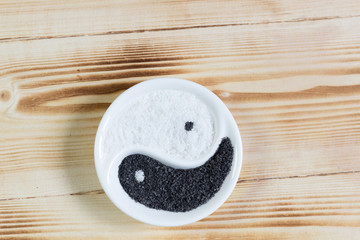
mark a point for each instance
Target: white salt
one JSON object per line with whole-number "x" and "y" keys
{"x": 157, "y": 120}
{"x": 139, "y": 176}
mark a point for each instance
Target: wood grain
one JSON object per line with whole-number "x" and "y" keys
{"x": 288, "y": 71}
{"x": 43, "y": 19}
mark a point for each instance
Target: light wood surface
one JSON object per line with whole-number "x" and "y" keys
{"x": 289, "y": 71}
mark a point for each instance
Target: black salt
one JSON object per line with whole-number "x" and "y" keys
{"x": 175, "y": 190}
{"x": 189, "y": 126}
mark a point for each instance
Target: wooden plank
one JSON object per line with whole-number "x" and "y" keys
{"x": 47, "y": 19}
{"x": 311, "y": 99}
{"x": 271, "y": 208}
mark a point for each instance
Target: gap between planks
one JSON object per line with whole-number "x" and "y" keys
{"x": 100, "y": 191}
{"x": 295, "y": 20}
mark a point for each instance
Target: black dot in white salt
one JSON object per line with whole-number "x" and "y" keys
{"x": 189, "y": 126}
{"x": 139, "y": 176}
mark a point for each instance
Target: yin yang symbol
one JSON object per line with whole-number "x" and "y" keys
{"x": 168, "y": 147}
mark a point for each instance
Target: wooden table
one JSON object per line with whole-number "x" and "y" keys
{"x": 289, "y": 71}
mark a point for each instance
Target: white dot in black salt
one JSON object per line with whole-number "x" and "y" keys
{"x": 139, "y": 176}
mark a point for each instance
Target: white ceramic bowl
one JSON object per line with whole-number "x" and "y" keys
{"x": 107, "y": 171}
